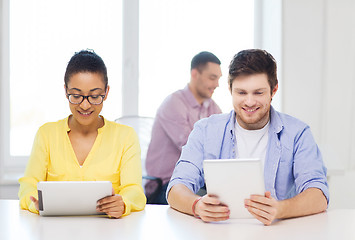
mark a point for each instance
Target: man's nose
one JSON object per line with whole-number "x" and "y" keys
{"x": 216, "y": 83}
{"x": 250, "y": 100}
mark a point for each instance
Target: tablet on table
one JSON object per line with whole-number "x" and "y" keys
{"x": 71, "y": 197}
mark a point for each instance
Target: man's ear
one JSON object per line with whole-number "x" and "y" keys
{"x": 230, "y": 85}
{"x": 274, "y": 90}
{"x": 194, "y": 73}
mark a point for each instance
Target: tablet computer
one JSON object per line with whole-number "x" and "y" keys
{"x": 234, "y": 180}
{"x": 71, "y": 197}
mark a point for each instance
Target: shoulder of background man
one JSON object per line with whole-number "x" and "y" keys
{"x": 173, "y": 100}
{"x": 215, "y": 122}
{"x": 213, "y": 105}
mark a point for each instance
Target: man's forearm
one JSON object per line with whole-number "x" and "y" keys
{"x": 310, "y": 201}
{"x": 181, "y": 198}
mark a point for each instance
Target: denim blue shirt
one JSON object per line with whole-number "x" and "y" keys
{"x": 293, "y": 161}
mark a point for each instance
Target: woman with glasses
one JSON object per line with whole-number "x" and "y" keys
{"x": 85, "y": 146}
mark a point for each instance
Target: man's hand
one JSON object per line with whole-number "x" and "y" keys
{"x": 264, "y": 208}
{"x": 210, "y": 209}
{"x": 113, "y": 205}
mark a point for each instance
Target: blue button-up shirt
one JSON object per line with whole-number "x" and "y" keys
{"x": 293, "y": 162}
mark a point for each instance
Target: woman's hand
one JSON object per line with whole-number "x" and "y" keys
{"x": 35, "y": 201}
{"x": 113, "y": 205}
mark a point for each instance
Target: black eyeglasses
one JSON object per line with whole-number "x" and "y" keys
{"x": 92, "y": 99}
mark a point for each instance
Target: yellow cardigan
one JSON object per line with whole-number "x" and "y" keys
{"x": 115, "y": 156}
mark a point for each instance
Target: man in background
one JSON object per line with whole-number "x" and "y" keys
{"x": 175, "y": 119}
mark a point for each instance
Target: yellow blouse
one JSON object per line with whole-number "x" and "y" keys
{"x": 115, "y": 156}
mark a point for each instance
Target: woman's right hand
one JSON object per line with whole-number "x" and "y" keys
{"x": 35, "y": 201}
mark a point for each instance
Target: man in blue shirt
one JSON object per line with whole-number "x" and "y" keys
{"x": 294, "y": 173}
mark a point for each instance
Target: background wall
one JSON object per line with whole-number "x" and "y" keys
{"x": 318, "y": 73}
{"x": 314, "y": 44}
{"x": 318, "y": 53}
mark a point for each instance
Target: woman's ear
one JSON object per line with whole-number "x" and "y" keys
{"x": 107, "y": 90}
{"x": 65, "y": 91}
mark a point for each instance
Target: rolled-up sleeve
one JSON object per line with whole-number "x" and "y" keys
{"x": 309, "y": 170}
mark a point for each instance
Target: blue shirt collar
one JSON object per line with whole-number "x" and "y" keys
{"x": 276, "y": 124}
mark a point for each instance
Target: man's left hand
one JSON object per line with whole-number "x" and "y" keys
{"x": 264, "y": 208}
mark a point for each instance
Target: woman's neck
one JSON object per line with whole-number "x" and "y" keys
{"x": 85, "y": 129}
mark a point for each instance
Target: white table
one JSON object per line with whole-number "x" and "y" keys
{"x": 162, "y": 222}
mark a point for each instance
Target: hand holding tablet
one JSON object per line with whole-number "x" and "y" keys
{"x": 113, "y": 205}
{"x": 233, "y": 181}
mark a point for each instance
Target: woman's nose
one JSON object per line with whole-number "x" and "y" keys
{"x": 85, "y": 104}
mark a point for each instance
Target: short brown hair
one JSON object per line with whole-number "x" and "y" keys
{"x": 253, "y": 61}
{"x": 200, "y": 60}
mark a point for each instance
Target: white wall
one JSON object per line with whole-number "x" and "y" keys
{"x": 4, "y": 85}
{"x": 318, "y": 73}
{"x": 318, "y": 52}
{"x": 339, "y": 87}
{"x": 268, "y": 36}
{"x": 315, "y": 50}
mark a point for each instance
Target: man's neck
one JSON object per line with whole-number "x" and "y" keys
{"x": 198, "y": 98}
